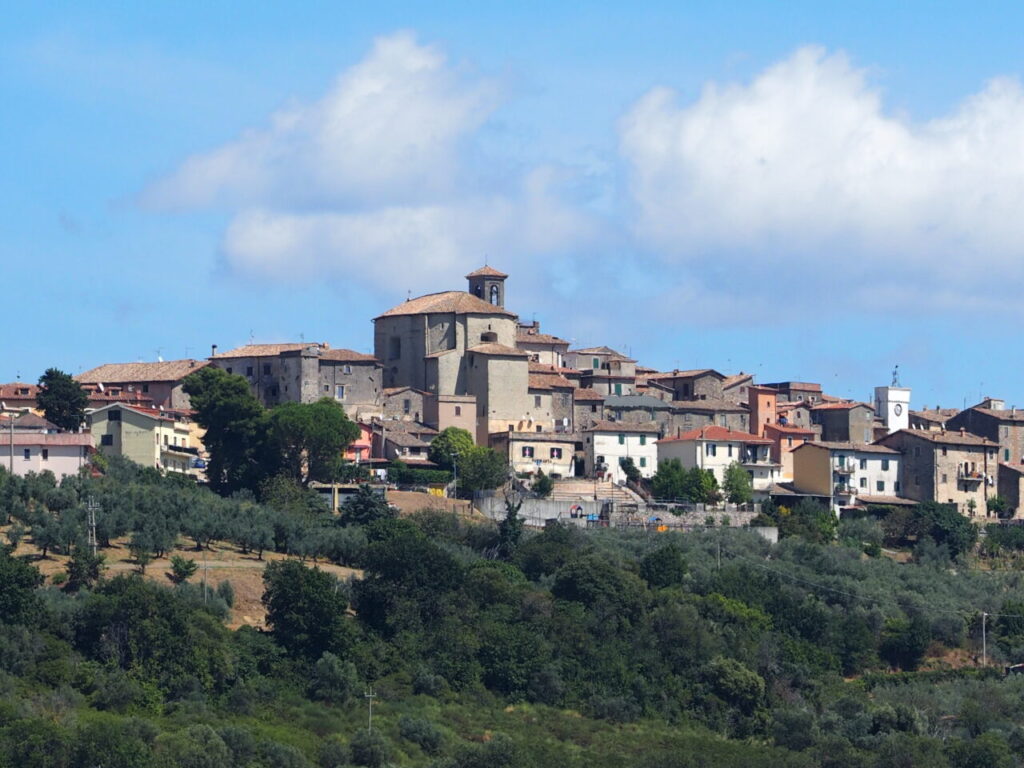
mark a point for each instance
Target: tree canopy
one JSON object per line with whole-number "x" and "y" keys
{"x": 451, "y": 442}
{"x": 62, "y": 399}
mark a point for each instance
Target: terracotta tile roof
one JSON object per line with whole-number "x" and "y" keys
{"x": 802, "y": 385}
{"x": 265, "y": 350}
{"x": 937, "y": 415}
{"x": 536, "y": 337}
{"x": 549, "y": 381}
{"x": 493, "y": 348}
{"x": 406, "y": 439}
{"x": 587, "y": 395}
{"x": 399, "y": 425}
{"x": 486, "y": 271}
{"x": 944, "y": 437}
{"x": 1006, "y": 414}
{"x": 348, "y": 356}
{"x": 685, "y": 374}
{"x": 446, "y": 302}
{"x": 637, "y": 401}
{"x": 118, "y": 373}
{"x": 13, "y": 391}
{"x": 843, "y": 406}
{"x": 596, "y": 351}
{"x": 716, "y": 433}
{"x": 789, "y": 429}
{"x": 552, "y": 369}
{"x": 31, "y": 421}
{"x": 537, "y": 437}
{"x": 859, "y": 447}
{"x": 623, "y": 426}
{"x": 392, "y": 391}
{"x": 736, "y": 379}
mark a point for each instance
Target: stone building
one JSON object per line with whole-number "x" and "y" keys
{"x": 148, "y": 436}
{"x": 992, "y": 419}
{"x": 1011, "y": 488}
{"x": 948, "y": 467}
{"x": 639, "y": 409}
{"x": 689, "y": 415}
{"x": 845, "y": 422}
{"x": 931, "y": 419}
{"x": 532, "y": 452}
{"x": 604, "y": 370}
{"x": 543, "y": 348}
{"x": 159, "y": 383}
{"x": 587, "y": 407}
{"x": 305, "y": 372}
{"x": 735, "y": 387}
{"x": 549, "y": 403}
{"x": 460, "y": 343}
{"x": 797, "y": 391}
{"x": 405, "y": 403}
{"x": 699, "y": 384}
{"x": 716, "y": 448}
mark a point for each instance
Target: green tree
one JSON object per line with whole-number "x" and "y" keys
{"x": 510, "y": 529}
{"x": 701, "y": 486}
{"x": 18, "y": 581}
{"x": 182, "y": 569}
{"x": 306, "y": 610}
{"x": 84, "y": 568}
{"x": 663, "y": 567}
{"x": 364, "y": 507}
{"x": 236, "y": 429}
{"x": 629, "y": 468}
{"x": 310, "y": 438}
{"x": 543, "y": 485}
{"x": 738, "y": 487}
{"x": 451, "y": 442}
{"x": 62, "y": 399}
{"x": 480, "y": 469}
{"x": 946, "y": 525}
{"x": 670, "y": 481}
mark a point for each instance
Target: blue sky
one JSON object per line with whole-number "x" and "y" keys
{"x": 814, "y": 192}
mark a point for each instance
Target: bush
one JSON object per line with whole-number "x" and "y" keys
{"x": 370, "y": 748}
{"x": 182, "y": 569}
{"x": 421, "y": 732}
{"x": 226, "y": 592}
{"x": 333, "y": 680}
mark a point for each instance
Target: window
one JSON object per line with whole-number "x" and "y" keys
{"x": 527, "y": 451}
{"x": 789, "y": 442}
{"x": 944, "y": 477}
{"x": 880, "y": 486}
{"x": 944, "y": 450}
{"x": 593, "y": 409}
{"x": 643, "y": 461}
{"x": 643, "y": 439}
{"x": 248, "y": 371}
{"x": 166, "y": 441}
{"x": 394, "y": 347}
{"x": 896, "y": 486}
{"x": 710, "y": 449}
{"x": 114, "y": 415}
{"x": 327, "y": 387}
{"x": 885, "y": 465}
{"x": 28, "y": 454}
{"x": 347, "y": 369}
{"x": 863, "y": 482}
{"x": 106, "y": 440}
{"x": 842, "y": 461}
{"x": 458, "y": 410}
{"x": 339, "y": 391}
{"x": 1006, "y": 454}
{"x": 266, "y": 369}
{"x": 536, "y": 401}
{"x": 540, "y": 428}
{"x": 863, "y": 463}
{"x": 597, "y": 363}
{"x": 406, "y": 405}
{"x": 618, "y": 388}
{"x": 494, "y": 295}
{"x": 145, "y": 387}
{"x": 730, "y": 450}
{"x": 556, "y": 453}
{"x": 622, "y": 439}
{"x": 228, "y": 370}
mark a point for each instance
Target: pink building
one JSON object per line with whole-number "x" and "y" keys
{"x": 361, "y": 448}
{"x": 62, "y": 454}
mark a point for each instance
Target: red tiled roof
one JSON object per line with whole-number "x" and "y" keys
{"x": 945, "y": 436}
{"x": 494, "y": 348}
{"x": 716, "y": 433}
{"x": 844, "y": 406}
{"x": 790, "y": 429}
{"x": 446, "y": 302}
{"x": 549, "y": 381}
{"x": 120, "y": 373}
{"x": 486, "y": 271}
{"x": 43, "y": 438}
{"x": 11, "y": 391}
{"x": 684, "y": 374}
{"x": 587, "y": 395}
{"x": 860, "y": 447}
{"x": 529, "y": 336}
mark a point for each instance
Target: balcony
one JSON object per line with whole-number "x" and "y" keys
{"x": 843, "y": 469}
{"x": 842, "y": 489}
{"x": 967, "y": 476}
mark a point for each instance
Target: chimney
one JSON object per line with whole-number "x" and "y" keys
{"x": 962, "y": 431}
{"x": 213, "y": 350}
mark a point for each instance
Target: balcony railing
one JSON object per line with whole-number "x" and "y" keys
{"x": 845, "y": 490}
{"x": 843, "y": 469}
{"x": 970, "y": 477}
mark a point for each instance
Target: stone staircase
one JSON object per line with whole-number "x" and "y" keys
{"x": 575, "y": 489}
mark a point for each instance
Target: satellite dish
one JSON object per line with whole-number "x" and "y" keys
{"x": 100, "y": 387}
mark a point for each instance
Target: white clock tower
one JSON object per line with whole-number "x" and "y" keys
{"x": 892, "y": 404}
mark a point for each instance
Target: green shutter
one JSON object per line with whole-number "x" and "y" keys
{"x": 622, "y": 439}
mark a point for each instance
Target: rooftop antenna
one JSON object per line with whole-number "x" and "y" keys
{"x": 159, "y": 358}
{"x": 252, "y": 336}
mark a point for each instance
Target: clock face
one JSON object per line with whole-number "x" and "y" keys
{"x": 897, "y": 409}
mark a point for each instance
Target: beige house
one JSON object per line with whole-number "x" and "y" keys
{"x": 158, "y": 384}
{"x": 542, "y": 347}
{"x": 606, "y": 443}
{"x": 530, "y": 452}
{"x": 849, "y": 474}
{"x": 715, "y": 448}
{"x": 27, "y": 451}
{"x": 150, "y": 437}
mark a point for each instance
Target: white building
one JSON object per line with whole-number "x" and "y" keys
{"x": 892, "y": 406}
{"x": 715, "y": 448}
{"x": 606, "y": 443}
{"x": 62, "y": 454}
{"x": 850, "y": 474}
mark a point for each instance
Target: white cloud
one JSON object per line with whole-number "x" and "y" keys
{"x": 390, "y": 129}
{"x": 803, "y": 167}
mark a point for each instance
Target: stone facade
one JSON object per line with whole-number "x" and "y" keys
{"x": 796, "y": 391}
{"x": 690, "y": 415}
{"x": 947, "y": 467}
{"x": 1000, "y": 425}
{"x": 702, "y": 384}
{"x": 845, "y": 422}
{"x": 639, "y": 409}
{"x": 158, "y": 384}
{"x": 405, "y": 403}
{"x": 529, "y": 452}
{"x": 1011, "y": 488}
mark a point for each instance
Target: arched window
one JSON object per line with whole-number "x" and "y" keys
{"x": 494, "y": 295}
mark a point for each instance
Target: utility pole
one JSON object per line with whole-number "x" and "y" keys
{"x": 92, "y": 507}
{"x": 984, "y": 640}
{"x": 370, "y": 696}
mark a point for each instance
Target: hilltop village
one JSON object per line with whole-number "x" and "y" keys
{"x": 592, "y": 419}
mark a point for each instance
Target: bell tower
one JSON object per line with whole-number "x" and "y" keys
{"x": 892, "y": 404}
{"x": 488, "y": 284}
